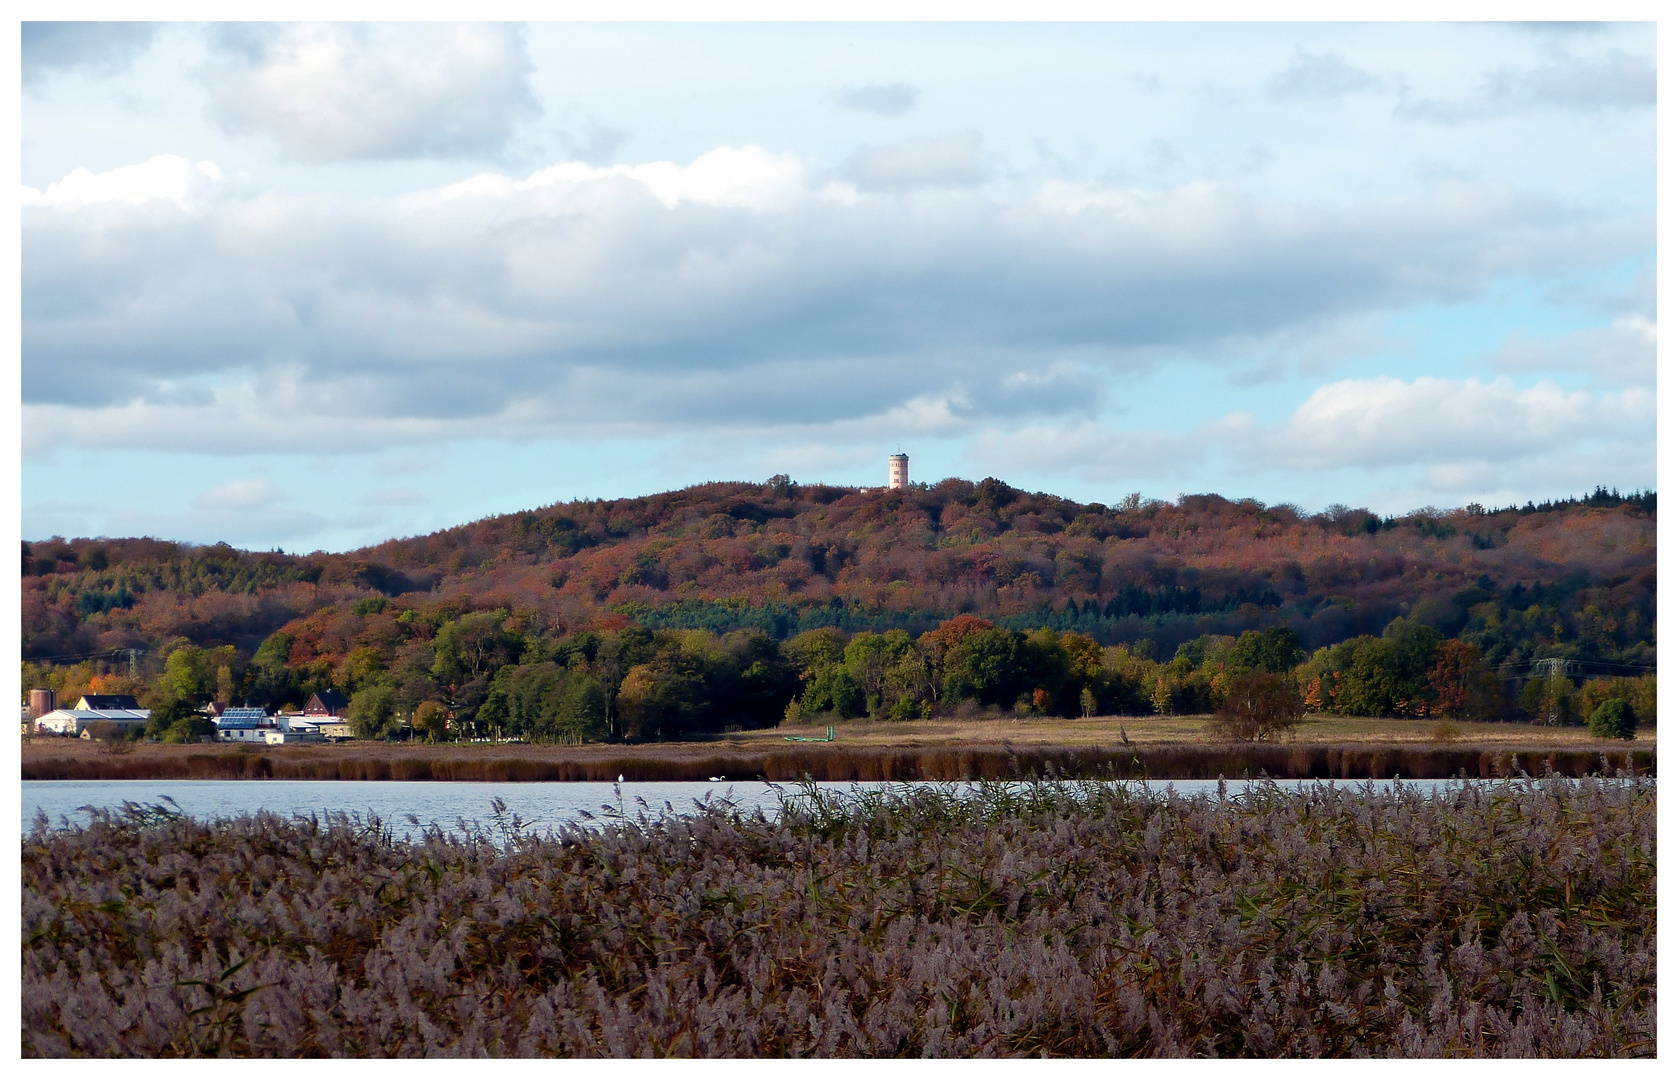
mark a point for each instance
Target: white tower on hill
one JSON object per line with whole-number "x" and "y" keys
{"x": 899, "y": 472}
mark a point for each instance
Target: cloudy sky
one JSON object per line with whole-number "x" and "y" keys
{"x": 311, "y": 287}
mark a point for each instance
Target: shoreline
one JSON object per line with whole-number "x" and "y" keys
{"x": 827, "y": 762}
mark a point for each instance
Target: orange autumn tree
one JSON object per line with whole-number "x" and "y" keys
{"x": 1463, "y": 686}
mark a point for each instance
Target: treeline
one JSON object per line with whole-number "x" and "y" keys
{"x": 1572, "y": 579}
{"x": 450, "y": 674}
{"x": 1602, "y": 496}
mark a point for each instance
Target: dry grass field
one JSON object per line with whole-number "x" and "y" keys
{"x": 1086, "y": 920}
{"x": 1322, "y": 728}
{"x": 1163, "y": 748}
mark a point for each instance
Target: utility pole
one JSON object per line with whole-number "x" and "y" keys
{"x": 132, "y": 655}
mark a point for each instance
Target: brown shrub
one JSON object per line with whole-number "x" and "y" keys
{"x": 1259, "y": 705}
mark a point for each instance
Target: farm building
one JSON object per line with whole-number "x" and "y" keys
{"x": 103, "y": 702}
{"x": 75, "y": 721}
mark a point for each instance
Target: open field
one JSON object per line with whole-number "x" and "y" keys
{"x": 1317, "y": 729}
{"x": 1055, "y": 919}
{"x": 1168, "y": 748}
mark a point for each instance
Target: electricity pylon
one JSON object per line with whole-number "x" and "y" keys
{"x": 1557, "y": 670}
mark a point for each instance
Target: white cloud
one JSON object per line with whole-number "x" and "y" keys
{"x": 165, "y": 177}
{"x": 253, "y": 510}
{"x": 257, "y": 527}
{"x": 1320, "y": 77}
{"x": 951, "y": 160}
{"x": 1570, "y": 469}
{"x": 595, "y": 143}
{"x": 1621, "y": 353}
{"x": 329, "y": 297}
{"x": 239, "y": 495}
{"x": 103, "y": 47}
{"x": 275, "y": 413}
{"x": 1089, "y": 451}
{"x": 747, "y": 177}
{"x": 1384, "y": 422}
{"x": 885, "y": 99}
{"x": 1404, "y": 444}
{"x": 1614, "y": 80}
{"x": 734, "y": 290}
{"x": 336, "y": 91}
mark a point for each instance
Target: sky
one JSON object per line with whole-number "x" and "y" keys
{"x": 310, "y": 287}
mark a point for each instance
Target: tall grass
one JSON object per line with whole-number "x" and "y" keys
{"x": 843, "y": 763}
{"x": 1039, "y": 918}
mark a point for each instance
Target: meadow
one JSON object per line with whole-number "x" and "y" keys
{"x": 1049, "y": 918}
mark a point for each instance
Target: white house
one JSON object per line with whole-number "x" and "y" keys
{"x": 244, "y": 725}
{"x": 294, "y": 728}
{"x": 75, "y": 721}
{"x": 324, "y": 714}
{"x": 277, "y": 736}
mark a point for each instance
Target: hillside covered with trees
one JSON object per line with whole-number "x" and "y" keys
{"x": 729, "y": 604}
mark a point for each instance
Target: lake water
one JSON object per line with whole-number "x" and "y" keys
{"x": 540, "y": 806}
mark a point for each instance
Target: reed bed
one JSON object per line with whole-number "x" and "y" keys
{"x": 1044, "y": 918}
{"x": 699, "y": 761}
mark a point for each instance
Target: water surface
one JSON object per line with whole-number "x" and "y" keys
{"x": 539, "y": 806}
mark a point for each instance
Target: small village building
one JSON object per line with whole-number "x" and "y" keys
{"x": 297, "y": 734}
{"x": 247, "y": 725}
{"x": 75, "y": 721}
{"x": 326, "y": 711}
{"x": 59, "y": 722}
{"x": 326, "y": 703}
{"x": 102, "y": 702}
{"x": 334, "y": 728}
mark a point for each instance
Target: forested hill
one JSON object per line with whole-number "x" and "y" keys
{"x": 1575, "y": 578}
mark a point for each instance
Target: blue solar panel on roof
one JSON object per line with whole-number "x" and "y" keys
{"x": 242, "y": 717}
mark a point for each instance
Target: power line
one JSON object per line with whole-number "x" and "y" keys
{"x": 132, "y": 654}
{"x": 1556, "y": 665}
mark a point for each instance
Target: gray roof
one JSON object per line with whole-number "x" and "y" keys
{"x": 102, "y": 702}
{"x": 121, "y": 716}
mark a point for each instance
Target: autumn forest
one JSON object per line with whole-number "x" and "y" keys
{"x": 740, "y": 604}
